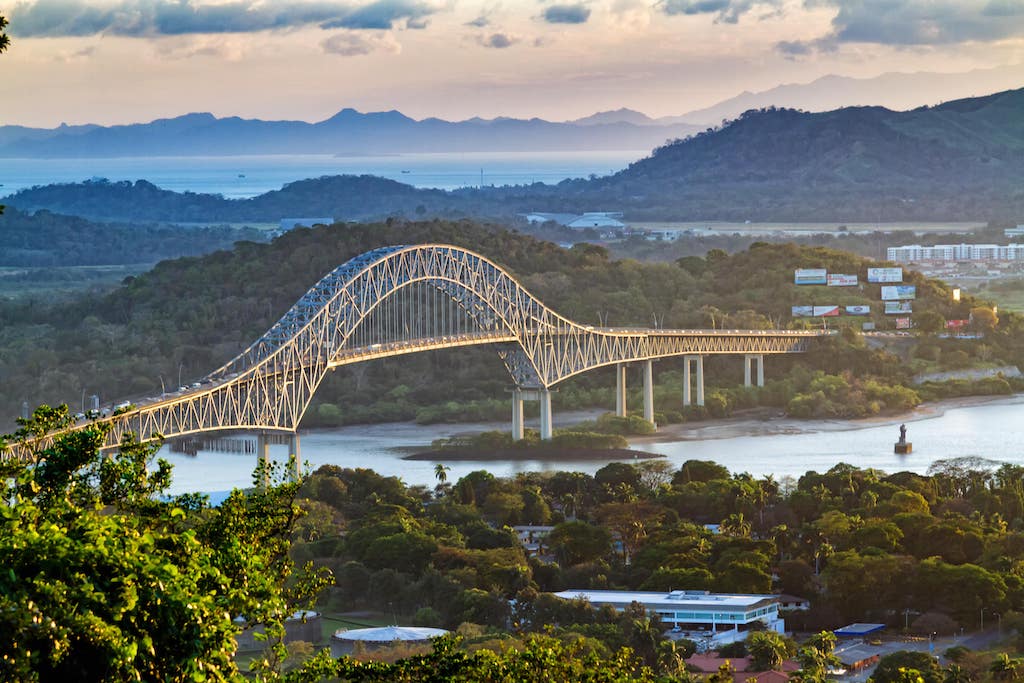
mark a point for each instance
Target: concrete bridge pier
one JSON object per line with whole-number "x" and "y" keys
{"x": 263, "y": 453}
{"x": 698, "y": 361}
{"x": 541, "y": 395}
{"x": 620, "y": 389}
{"x": 545, "y": 414}
{"x": 294, "y": 451}
{"x": 649, "y": 392}
{"x": 748, "y": 359}
{"x": 517, "y": 414}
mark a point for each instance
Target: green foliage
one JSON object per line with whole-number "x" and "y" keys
{"x": 893, "y": 668}
{"x": 768, "y": 650}
{"x": 45, "y": 239}
{"x": 104, "y": 580}
{"x": 539, "y": 658}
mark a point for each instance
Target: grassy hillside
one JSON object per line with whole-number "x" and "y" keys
{"x": 187, "y": 316}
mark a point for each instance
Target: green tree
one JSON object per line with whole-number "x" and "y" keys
{"x": 577, "y": 542}
{"x": 817, "y": 656}
{"x": 1006, "y": 668}
{"x": 923, "y": 664}
{"x": 929, "y": 322}
{"x": 768, "y": 650}
{"x": 105, "y": 580}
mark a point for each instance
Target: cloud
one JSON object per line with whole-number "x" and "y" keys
{"x": 482, "y": 21}
{"x": 918, "y": 22}
{"x": 383, "y": 14}
{"x": 185, "y": 47}
{"x": 151, "y": 18}
{"x": 567, "y": 14}
{"x": 728, "y": 11}
{"x": 498, "y": 40}
{"x": 354, "y": 44}
{"x": 76, "y": 55}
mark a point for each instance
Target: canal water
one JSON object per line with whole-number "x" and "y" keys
{"x": 779, "y": 447}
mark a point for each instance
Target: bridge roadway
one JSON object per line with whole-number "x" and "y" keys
{"x": 409, "y": 299}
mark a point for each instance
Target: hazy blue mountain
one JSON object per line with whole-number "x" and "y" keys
{"x": 10, "y": 134}
{"x": 347, "y": 132}
{"x": 892, "y": 90}
{"x": 623, "y": 115}
{"x": 961, "y": 160}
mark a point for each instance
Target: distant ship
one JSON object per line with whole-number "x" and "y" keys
{"x": 241, "y": 175}
{"x": 404, "y": 171}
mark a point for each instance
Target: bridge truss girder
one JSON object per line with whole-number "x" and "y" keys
{"x": 271, "y": 383}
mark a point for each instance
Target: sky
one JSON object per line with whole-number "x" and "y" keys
{"x": 123, "y": 61}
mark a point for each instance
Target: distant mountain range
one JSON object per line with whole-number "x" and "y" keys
{"x": 348, "y": 132}
{"x": 961, "y": 160}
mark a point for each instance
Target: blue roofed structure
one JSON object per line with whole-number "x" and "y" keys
{"x": 858, "y": 630}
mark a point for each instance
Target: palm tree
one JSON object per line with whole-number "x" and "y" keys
{"x": 441, "y": 472}
{"x": 955, "y": 673}
{"x": 1005, "y": 668}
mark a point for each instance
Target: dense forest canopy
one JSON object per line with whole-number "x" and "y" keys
{"x": 187, "y": 316}
{"x": 46, "y": 239}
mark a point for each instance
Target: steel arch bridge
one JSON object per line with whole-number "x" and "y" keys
{"x": 406, "y": 299}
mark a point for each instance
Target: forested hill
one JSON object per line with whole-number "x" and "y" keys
{"x": 45, "y": 239}
{"x": 190, "y": 315}
{"x": 962, "y": 160}
{"x": 959, "y": 160}
{"x": 342, "y": 197}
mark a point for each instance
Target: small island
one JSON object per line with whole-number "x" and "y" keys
{"x": 567, "y": 445}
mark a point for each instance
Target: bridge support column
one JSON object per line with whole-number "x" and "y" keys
{"x": 698, "y": 361}
{"x": 517, "y": 414}
{"x": 649, "y": 392}
{"x": 620, "y": 389}
{"x": 263, "y": 453}
{"x": 294, "y": 451}
{"x": 545, "y": 414}
{"x": 748, "y": 359}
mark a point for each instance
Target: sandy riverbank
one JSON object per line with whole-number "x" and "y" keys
{"x": 771, "y": 422}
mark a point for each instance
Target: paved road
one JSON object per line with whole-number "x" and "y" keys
{"x": 979, "y": 640}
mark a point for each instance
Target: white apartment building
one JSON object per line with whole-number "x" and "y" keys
{"x": 956, "y": 252}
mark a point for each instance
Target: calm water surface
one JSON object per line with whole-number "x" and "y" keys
{"x": 994, "y": 431}
{"x": 247, "y": 176}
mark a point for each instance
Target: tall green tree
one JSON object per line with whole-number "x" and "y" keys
{"x": 106, "y": 579}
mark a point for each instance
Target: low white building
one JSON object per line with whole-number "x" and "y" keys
{"x": 591, "y": 219}
{"x": 710, "y": 619}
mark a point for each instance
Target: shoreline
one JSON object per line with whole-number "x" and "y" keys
{"x": 531, "y": 454}
{"x": 773, "y": 422}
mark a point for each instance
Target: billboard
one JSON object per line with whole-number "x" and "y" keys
{"x": 858, "y": 310}
{"x": 810, "y": 276}
{"x": 957, "y": 324}
{"x": 803, "y": 311}
{"x": 903, "y": 324}
{"x": 885, "y": 275}
{"x": 899, "y": 292}
{"x": 898, "y": 307}
{"x": 837, "y": 280}
{"x": 867, "y": 327}
{"x": 826, "y": 311}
